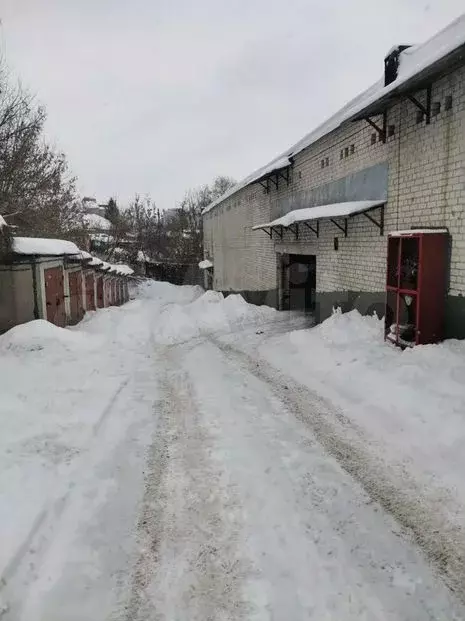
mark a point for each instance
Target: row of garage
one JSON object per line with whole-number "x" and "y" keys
{"x": 54, "y": 280}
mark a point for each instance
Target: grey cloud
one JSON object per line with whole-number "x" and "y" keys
{"x": 155, "y": 96}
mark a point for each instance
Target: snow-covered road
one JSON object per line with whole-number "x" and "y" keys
{"x": 195, "y": 481}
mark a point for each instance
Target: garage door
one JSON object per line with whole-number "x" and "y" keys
{"x": 55, "y": 296}
{"x": 75, "y": 296}
{"x": 90, "y": 292}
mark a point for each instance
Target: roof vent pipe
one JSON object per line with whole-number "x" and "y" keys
{"x": 391, "y": 63}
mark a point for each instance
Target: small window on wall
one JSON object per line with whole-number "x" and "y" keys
{"x": 327, "y": 161}
{"x": 448, "y": 103}
{"x": 346, "y": 152}
{"x": 436, "y": 108}
{"x": 336, "y": 244}
{"x": 322, "y": 164}
{"x": 373, "y": 138}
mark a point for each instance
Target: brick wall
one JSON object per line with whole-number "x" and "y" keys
{"x": 426, "y": 187}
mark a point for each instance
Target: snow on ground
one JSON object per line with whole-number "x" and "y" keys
{"x": 412, "y": 401}
{"x": 188, "y": 456}
{"x": 206, "y": 314}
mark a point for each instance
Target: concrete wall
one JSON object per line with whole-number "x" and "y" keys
{"x": 421, "y": 171}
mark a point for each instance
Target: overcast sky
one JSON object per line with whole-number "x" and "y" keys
{"x": 156, "y": 96}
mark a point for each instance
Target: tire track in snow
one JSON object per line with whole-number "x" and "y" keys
{"x": 442, "y": 542}
{"x": 188, "y": 566}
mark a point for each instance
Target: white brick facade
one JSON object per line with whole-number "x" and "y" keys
{"x": 425, "y": 187}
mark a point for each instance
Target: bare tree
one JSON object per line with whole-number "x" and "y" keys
{"x": 189, "y": 244}
{"x": 37, "y": 194}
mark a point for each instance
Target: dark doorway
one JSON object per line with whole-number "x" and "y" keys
{"x": 299, "y": 282}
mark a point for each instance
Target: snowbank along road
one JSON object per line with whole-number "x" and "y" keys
{"x": 189, "y": 457}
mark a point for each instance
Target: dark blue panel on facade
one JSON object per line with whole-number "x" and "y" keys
{"x": 368, "y": 184}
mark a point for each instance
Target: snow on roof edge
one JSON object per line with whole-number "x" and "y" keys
{"x": 426, "y": 54}
{"x": 418, "y": 232}
{"x": 333, "y": 210}
{"x": 41, "y": 246}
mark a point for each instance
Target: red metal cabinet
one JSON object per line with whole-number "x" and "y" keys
{"x": 55, "y": 296}
{"x": 75, "y": 296}
{"x": 416, "y": 287}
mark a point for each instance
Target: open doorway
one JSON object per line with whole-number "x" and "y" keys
{"x": 298, "y": 282}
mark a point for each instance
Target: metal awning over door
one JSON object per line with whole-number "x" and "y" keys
{"x": 337, "y": 213}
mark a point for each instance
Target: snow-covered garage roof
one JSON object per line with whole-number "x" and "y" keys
{"x": 95, "y": 262}
{"x": 94, "y": 221}
{"x": 335, "y": 210}
{"x": 125, "y": 270}
{"x": 85, "y": 256}
{"x": 416, "y": 64}
{"x": 45, "y": 247}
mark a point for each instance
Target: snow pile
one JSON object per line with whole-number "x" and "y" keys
{"x": 349, "y": 329}
{"x": 40, "y": 334}
{"x": 412, "y": 402}
{"x": 210, "y": 313}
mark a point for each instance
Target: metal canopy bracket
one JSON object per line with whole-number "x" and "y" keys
{"x": 285, "y": 177}
{"x": 279, "y": 230}
{"x": 274, "y": 177}
{"x": 266, "y": 186}
{"x": 341, "y": 228}
{"x": 295, "y": 230}
{"x": 425, "y": 109}
{"x": 379, "y": 224}
{"x": 275, "y": 181}
{"x": 381, "y": 130}
{"x": 317, "y": 230}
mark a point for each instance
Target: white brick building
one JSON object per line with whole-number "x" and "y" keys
{"x": 414, "y": 161}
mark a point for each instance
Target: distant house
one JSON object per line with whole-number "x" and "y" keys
{"x": 99, "y": 227}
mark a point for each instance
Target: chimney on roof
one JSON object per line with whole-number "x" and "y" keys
{"x": 391, "y": 63}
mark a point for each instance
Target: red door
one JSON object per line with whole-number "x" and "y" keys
{"x": 100, "y": 300}
{"x": 90, "y": 292}
{"x": 107, "y": 286}
{"x": 114, "y": 299}
{"x": 55, "y": 296}
{"x": 75, "y": 296}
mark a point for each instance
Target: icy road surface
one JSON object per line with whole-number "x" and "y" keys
{"x": 155, "y": 468}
